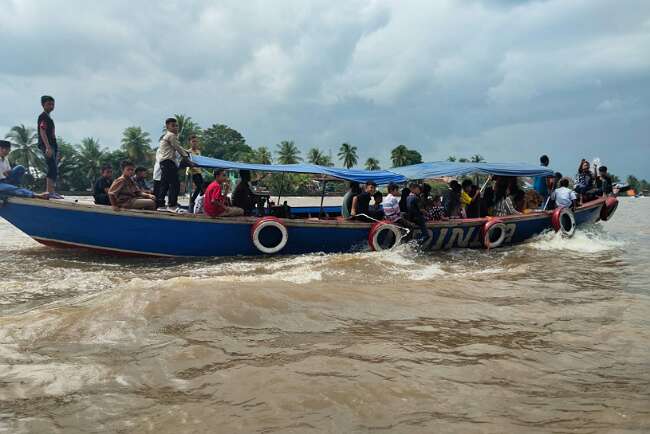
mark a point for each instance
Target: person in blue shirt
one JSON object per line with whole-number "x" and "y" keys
{"x": 540, "y": 183}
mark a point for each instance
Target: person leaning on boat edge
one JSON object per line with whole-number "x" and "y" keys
{"x": 48, "y": 145}
{"x": 125, "y": 194}
{"x": 169, "y": 181}
{"x": 100, "y": 191}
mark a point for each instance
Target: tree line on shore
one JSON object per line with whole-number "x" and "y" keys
{"x": 80, "y": 163}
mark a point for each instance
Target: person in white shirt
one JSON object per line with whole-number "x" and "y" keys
{"x": 563, "y": 196}
{"x": 168, "y": 151}
{"x": 9, "y": 175}
{"x": 390, "y": 204}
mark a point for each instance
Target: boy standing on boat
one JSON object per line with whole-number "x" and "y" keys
{"x": 195, "y": 172}
{"x": 541, "y": 183}
{"x": 47, "y": 144}
{"x": 169, "y": 182}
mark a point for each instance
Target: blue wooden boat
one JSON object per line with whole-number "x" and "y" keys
{"x": 62, "y": 223}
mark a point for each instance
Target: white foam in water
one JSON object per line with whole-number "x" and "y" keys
{"x": 583, "y": 241}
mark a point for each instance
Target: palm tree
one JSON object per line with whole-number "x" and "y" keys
{"x": 186, "y": 127}
{"x": 26, "y": 151}
{"x": 451, "y": 158}
{"x": 477, "y": 158}
{"x": 288, "y": 152}
{"x": 348, "y": 155}
{"x": 263, "y": 155}
{"x": 372, "y": 164}
{"x": 317, "y": 157}
{"x": 399, "y": 156}
{"x": 89, "y": 158}
{"x": 136, "y": 144}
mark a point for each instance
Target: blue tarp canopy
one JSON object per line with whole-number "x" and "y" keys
{"x": 361, "y": 176}
{"x": 438, "y": 169}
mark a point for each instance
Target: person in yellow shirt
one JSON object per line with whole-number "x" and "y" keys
{"x": 195, "y": 172}
{"x": 469, "y": 199}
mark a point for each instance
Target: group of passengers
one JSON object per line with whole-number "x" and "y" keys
{"x": 415, "y": 205}
{"x": 412, "y": 206}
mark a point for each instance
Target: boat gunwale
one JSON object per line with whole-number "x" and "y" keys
{"x": 314, "y": 222}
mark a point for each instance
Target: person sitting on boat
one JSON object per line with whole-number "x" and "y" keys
{"x": 125, "y": 194}
{"x": 584, "y": 181}
{"x": 415, "y": 211}
{"x": 361, "y": 204}
{"x": 403, "y": 197}
{"x": 503, "y": 205}
{"x": 215, "y": 201}
{"x": 433, "y": 209}
{"x": 451, "y": 201}
{"x": 429, "y": 204}
{"x": 346, "y": 206}
{"x": 564, "y": 197}
{"x": 470, "y": 198}
{"x": 390, "y": 204}
{"x": 604, "y": 185}
{"x": 140, "y": 179}
{"x": 11, "y": 177}
{"x": 377, "y": 200}
{"x": 532, "y": 201}
{"x": 100, "y": 190}
{"x": 242, "y": 196}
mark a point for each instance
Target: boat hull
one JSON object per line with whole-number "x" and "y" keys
{"x": 148, "y": 233}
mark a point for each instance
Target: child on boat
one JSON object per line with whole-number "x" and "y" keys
{"x": 563, "y": 196}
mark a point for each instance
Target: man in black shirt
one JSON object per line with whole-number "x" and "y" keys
{"x": 361, "y": 203}
{"x": 100, "y": 192}
{"x": 47, "y": 144}
{"x": 603, "y": 182}
{"x": 243, "y": 196}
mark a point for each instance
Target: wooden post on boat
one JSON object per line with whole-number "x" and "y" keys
{"x": 322, "y": 199}
{"x": 281, "y": 187}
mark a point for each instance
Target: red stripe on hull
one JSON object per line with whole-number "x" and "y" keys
{"x": 62, "y": 245}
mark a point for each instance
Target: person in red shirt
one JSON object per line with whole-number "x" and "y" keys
{"x": 215, "y": 202}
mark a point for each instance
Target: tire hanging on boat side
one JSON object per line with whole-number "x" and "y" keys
{"x": 269, "y": 222}
{"x": 609, "y": 208}
{"x": 376, "y": 231}
{"x": 494, "y": 233}
{"x": 564, "y": 221}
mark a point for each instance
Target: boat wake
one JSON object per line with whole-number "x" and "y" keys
{"x": 589, "y": 239}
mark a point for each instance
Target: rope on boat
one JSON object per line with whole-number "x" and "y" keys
{"x": 403, "y": 229}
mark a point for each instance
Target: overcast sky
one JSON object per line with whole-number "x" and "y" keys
{"x": 506, "y": 79}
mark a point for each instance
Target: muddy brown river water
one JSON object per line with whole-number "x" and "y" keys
{"x": 549, "y": 336}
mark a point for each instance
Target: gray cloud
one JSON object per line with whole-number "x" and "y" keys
{"x": 507, "y": 79}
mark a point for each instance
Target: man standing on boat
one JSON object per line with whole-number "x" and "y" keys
{"x": 168, "y": 150}
{"x": 47, "y": 144}
{"x": 541, "y": 183}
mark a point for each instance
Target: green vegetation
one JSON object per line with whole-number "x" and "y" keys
{"x": 348, "y": 155}
{"x": 402, "y": 156}
{"x": 80, "y": 163}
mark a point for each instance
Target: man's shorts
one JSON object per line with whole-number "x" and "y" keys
{"x": 52, "y": 163}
